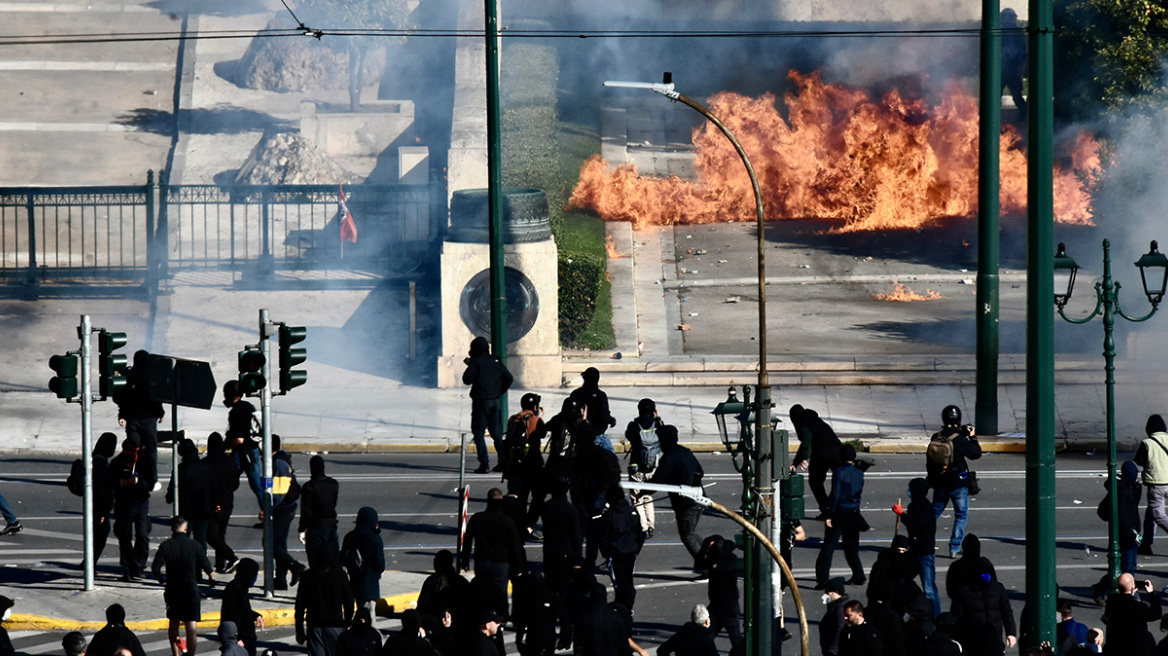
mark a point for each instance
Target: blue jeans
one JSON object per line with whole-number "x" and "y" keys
{"x": 929, "y": 581}
{"x": 252, "y": 465}
{"x": 1127, "y": 559}
{"x": 960, "y": 498}
{"x": 9, "y": 516}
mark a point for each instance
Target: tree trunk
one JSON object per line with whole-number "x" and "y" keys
{"x": 356, "y": 76}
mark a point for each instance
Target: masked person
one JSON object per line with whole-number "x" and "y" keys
{"x": 489, "y": 380}
{"x": 236, "y": 605}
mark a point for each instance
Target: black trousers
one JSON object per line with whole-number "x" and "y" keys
{"x": 324, "y": 533}
{"x": 620, "y": 568}
{"x": 832, "y": 535}
{"x": 132, "y": 528}
{"x": 688, "y": 516}
{"x": 486, "y": 416}
{"x": 281, "y": 525}
{"x": 216, "y": 537}
{"x": 816, "y": 480}
{"x": 101, "y": 531}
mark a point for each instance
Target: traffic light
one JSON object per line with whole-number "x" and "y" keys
{"x": 111, "y": 367}
{"x": 251, "y": 366}
{"x": 64, "y": 384}
{"x": 290, "y": 357}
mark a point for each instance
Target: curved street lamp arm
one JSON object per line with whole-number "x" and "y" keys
{"x": 696, "y": 494}
{"x": 1120, "y": 312}
{"x": 1094, "y": 313}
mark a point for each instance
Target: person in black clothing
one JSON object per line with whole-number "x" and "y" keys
{"x": 644, "y": 454}
{"x": 103, "y": 491}
{"x": 620, "y": 541}
{"x": 488, "y": 379}
{"x": 834, "y": 597}
{"x": 1126, "y": 618}
{"x": 362, "y": 639}
{"x": 537, "y": 612}
{"x": 224, "y": 480}
{"x": 888, "y": 624}
{"x": 177, "y": 564}
{"x": 242, "y": 426}
{"x": 590, "y": 396}
{"x": 131, "y": 512}
{"x": 563, "y": 538}
{"x": 6, "y": 648}
{"x": 843, "y": 520}
{"x": 442, "y": 590}
{"x": 524, "y": 474}
{"x": 285, "y": 493}
{"x": 318, "y": 510}
{"x": 818, "y": 451}
{"x": 194, "y": 491}
{"x": 679, "y": 466}
{"x": 236, "y": 606}
{"x": 1013, "y": 60}
{"x": 141, "y": 416}
{"x": 859, "y": 637}
{"x": 893, "y": 575}
{"x": 114, "y": 635}
{"x": 920, "y": 520}
{"x": 492, "y": 538}
{"x": 951, "y": 483}
{"x": 567, "y": 433}
{"x": 983, "y": 612}
{"x": 694, "y": 638}
{"x": 959, "y": 571}
{"x": 596, "y": 470}
{"x": 324, "y": 604}
{"x": 412, "y": 640}
{"x": 366, "y": 566}
{"x": 484, "y": 642}
{"x": 230, "y": 643}
{"x": 717, "y": 558}
{"x": 1130, "y": 489}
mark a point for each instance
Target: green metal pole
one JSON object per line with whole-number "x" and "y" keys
{"x": 988, "y": 247}
{"x": 1108, "y": 291}
{"x": 495, "y": 190}
{"x": 1040, "y": 474}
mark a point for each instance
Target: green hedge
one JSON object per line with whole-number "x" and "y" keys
{"x": 580, "y": 279}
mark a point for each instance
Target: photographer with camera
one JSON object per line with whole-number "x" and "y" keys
{"x": 1126, "y": 617}
{"x": 948, "y": 473}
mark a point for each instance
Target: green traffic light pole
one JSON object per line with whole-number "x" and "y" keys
{"x": 1107, "y": 303}
{"x": 498, "y": 286}
{"x": 765, "y": 506}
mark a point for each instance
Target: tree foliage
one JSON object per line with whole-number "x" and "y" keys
{"x": 329, "y": 15}
{"x": 1110, "y": 55}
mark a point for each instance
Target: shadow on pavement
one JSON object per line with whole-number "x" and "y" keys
{"x": 222, "y": 119}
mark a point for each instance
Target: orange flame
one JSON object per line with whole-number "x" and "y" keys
{"x": 896, "y": 163}
{"x": 611, "y": 250}
{"x": 903, "y": 294}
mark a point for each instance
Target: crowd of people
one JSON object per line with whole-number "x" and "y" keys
{"x": 562, "y": 493}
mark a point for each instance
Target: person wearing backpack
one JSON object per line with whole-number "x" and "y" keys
{"x": 524, "y": 473}
{"x": 644, "y": 454}
{"x": 948, "y": 472}
{"x": 103, "y": 494}
{"x": 1153, "y": 457}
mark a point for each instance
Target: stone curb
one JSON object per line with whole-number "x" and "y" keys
{"x": 272, "y": 617}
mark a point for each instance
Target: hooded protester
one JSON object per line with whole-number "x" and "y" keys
{"x": 236, "y": 605}
{"x": 488, "y": 379}
{"x": 443, "y": 590}
{"x": 6, "y": 648}
{"x": 229, "y": 643}
{"x": 493, "y": 540}
{"x": 717, "y": 557}
{"x": 224, "y": 481}
{"x": 959, "y": 569}
{"x": 563, "y": 537}
{"x": 536, "y": 614}
{"x": 620, "y": 541}
{"x": 361, "y": 639}
{"x": 114, "y": 636}
{"x": 644, "y": 454}
{"x": 194, "y": 491}
{"x": 363, "y": 557}
{"x": 983, "y": 612}
{"x": 103, "y": 491}
{"x": 324, "y": 604}
{"x": 1128, "y": 487}
{"x": 920, "y": 521}
{"x": 411, "y": 640}
{"x": 140, "y": 415}
{"x": 818, "y": 451}
{"x": 131, "y": 512}
{"x": 318, "y": 510}
{"x": 894, "y": 574}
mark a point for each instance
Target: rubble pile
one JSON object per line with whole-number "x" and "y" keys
{"x": 299, "y": 65}
{"x": 289, "y": 158}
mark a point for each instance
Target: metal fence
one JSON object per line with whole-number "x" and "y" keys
{"x": 139, "y": 233}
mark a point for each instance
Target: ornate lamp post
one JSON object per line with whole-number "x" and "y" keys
{"x": 1153, "y": 268}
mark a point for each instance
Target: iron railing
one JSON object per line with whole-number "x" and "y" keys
{"x": 142, "y": 233}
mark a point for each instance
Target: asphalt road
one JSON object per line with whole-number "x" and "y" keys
{"x": 416, "y": 497}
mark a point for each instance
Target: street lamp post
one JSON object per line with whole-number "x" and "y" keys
{"x": 764, "y": 484}
{"x": 1107, "y": 303}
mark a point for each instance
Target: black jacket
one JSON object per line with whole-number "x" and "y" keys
{"x": 984, "y": 614}
{"x": 183, "y": 559}
{"x": 127, "y": 494}
{"x": 194, "y": 488}
{"x": 692, "y": 640}
{"x": 111, "y": 638}
{"x": 224, "y": 481}
{"x": 561, "y": 526}
{"x": 493, "y": 537}
{"x": 920, "y": 521}
{"x": 860, "y": 640}
{"x": 817, "y": 436}
{"x": 486, "y": 375}
{"x": 323, "y": 599}
{"x": 592, "y": 397}
{"x": 365, "y": 539}
{"x": 679, "y": 466}
{"x": 1127, "y": 624}
{"x": 318, "y": 502}
{"x": 621, "y": 529}
{"x": 236, "y": 603}
{"x": 831, "y": 625}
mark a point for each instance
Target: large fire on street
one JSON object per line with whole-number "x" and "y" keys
{"x": 871, "y": 164}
